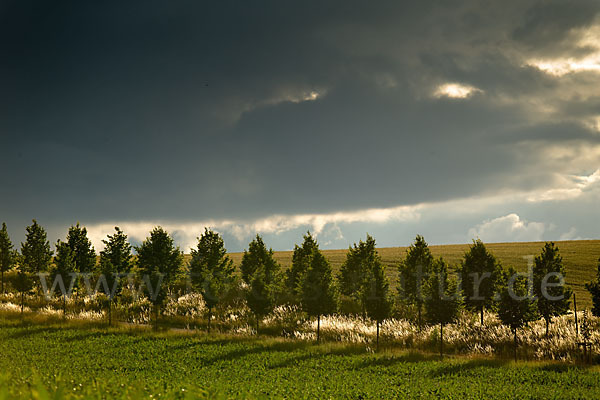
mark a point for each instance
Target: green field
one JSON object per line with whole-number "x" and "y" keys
{"x": 84, "y": 361}
{"x": 580, "y": 258}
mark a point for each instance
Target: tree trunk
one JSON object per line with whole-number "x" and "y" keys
{"x": 156, "y": 317}
{"x": 515, "y": 346}
{"x": 2, "y": 281}
{"x": 318, "y": 327}
{"x": 377, "y": 347}
{"x": 256, "y": 324}
{"x": 209, "y": 318}
{"x": 419, "y": 316}
{"x": 590, "y": 354}
{"x": 576, "y": 325}
{"x": 22, "y": 301}
{"x": 547, "y": 326}
{"x": 441, "y": 340}
{"x": 481, "y": 310}
{"x": 109, "y": 312}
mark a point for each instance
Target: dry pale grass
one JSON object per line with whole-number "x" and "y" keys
{"x": 466, "y": 336}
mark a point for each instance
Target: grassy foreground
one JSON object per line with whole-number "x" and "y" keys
{"x": 69, "y": 360}
{"x": 579, "y": 256}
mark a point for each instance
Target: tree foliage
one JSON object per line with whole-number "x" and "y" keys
{"x": 301, "y": 261}
{"x": 84, "y": 255}
{"x": 260, "y": 296}
{"x": 413, "y": 272}
{"x": 443, "y": 300}
{"x": 117, "y": 251}
{"x": 115, "y": 261}
{"x": 211, "y": 269}
{"x": 23, "y": 283}
{"x": 318, "y": 292}
{"x": 64, "y": 269}
{"x": 516, "y": 307}
{"x": 35, "y": 252}
{"x": 553, "y": 298}
{"x": 7, "y": 254}
{"x": 480, "y": 273}
{"x": 258, "y": 257}
{"x": 159, "y": 262}
{"x": 376, "y": 298}
{"x": 261, "y": 273}
{"x": 355, "y": 269}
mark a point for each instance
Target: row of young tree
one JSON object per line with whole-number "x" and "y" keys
{"x": 424, "y": 282}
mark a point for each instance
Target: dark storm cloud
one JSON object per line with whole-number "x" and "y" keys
{"x": 193, "y": 110}
{"x": 546, "y": 26}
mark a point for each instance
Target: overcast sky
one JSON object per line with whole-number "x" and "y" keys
{"x": 450, "y": 119}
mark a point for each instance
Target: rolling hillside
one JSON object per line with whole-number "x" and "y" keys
{"x": 579, "y": 256}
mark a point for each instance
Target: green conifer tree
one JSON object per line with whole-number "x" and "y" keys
{"x": 7, "y": 254}
{"x": 84, "y": 255}
{"x": 516, "y": 308}
{"x": 300, "y": 264}
{"x": 553, "y": 298}
{"x": 413, "y": 272}
{"x": 355, "y": 270}
{"x": 480, "y": 274}
{"x": 211, "y": 270}
{"x": 159, "y": 261}
{"x": 64, "y": 270}
{"x": 317, "y": 289}
{"x": 261, "y": 273}
{"x": 35, "y": 252}
{"x": 115, "y": 262}
{"x": 376, "y": 295}
{"x": 443, "y": 300}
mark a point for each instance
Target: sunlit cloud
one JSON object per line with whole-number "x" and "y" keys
{"x": 455, "y": 90}
{"x": 573, "y": 187}
{"x": 593, "y": 123}
{"x": 311, "y": 96}
{"x": 235, "y": 109}
{"x": 571, "y": 234}
{"x": 508, "y": 228}
{"x": 563, "y": 66}
{"x": 559, "y": 66}
{"x": 296, "y": 97}
{"x": 186, "y": 233}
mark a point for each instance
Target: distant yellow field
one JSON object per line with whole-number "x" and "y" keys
{"x": 579, "y": 256}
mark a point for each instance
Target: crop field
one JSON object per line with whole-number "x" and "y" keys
{"x": 580, "y": 258}
{"x": 58, "y": 360}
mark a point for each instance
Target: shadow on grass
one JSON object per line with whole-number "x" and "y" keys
{"x": 318, "y": 354}
{"x": 385, "y": 360}
{"x": 28, "y": 330}
{"x": 465, "y": 367}
{"x": 252, "y": 346}
{"x": 72, "y": 333}
{"x": 257, "y": 348}
{"x": 202, "y": 339}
